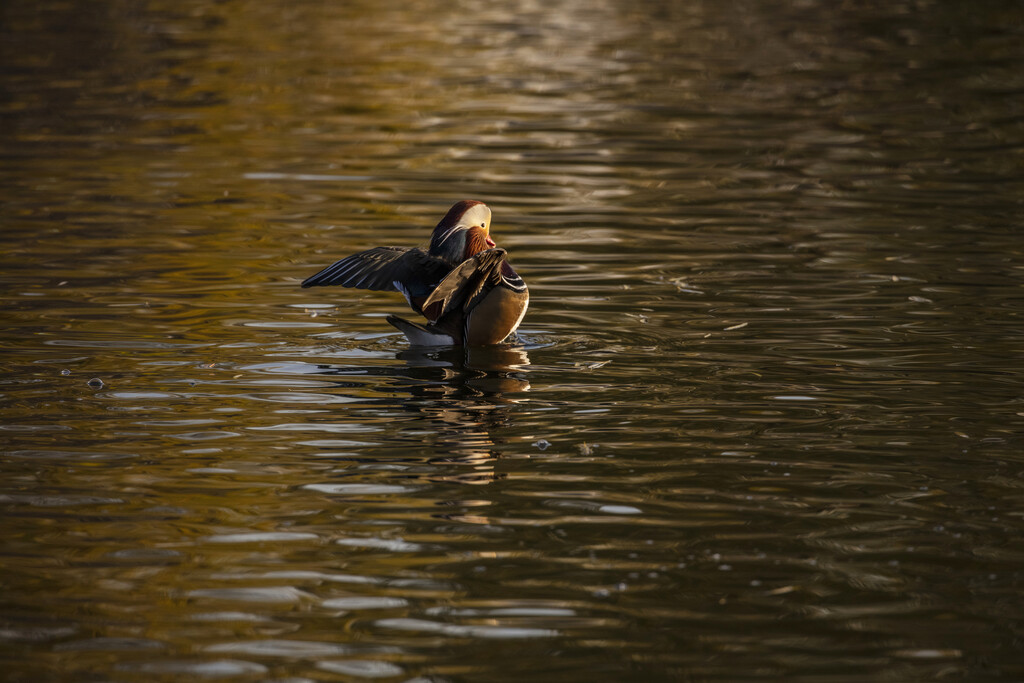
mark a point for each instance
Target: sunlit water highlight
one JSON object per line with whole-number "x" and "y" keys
{"x": 763, "y": 421}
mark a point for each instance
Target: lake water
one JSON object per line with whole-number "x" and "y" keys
{"x": 764, "y": 420}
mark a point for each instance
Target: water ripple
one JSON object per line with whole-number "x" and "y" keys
{"x": 464, "y": 631}
{"x": 762, "y": 421}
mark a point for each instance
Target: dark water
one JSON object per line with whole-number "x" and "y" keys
{"x": 767, "y": 413}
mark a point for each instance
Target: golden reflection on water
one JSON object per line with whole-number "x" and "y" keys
{"x": 469, "y": 403}
{"x": 763, "y": 420}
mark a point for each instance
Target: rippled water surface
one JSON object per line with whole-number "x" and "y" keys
{"x": 764, "y": 419}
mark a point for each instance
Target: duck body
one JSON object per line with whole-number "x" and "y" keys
{"x": 462, "y": 284}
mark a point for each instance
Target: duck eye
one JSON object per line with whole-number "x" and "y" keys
{"x": 483, "y": 225}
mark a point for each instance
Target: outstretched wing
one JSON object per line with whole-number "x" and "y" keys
{"x": 466, "y": 284}
{"x": 380, "y": 268}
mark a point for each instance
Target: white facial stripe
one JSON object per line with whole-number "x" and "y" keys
{"x": 448, "y": 233}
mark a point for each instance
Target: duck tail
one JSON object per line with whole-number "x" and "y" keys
{"x": 418, "y": 335}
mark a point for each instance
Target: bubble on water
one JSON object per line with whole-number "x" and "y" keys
{"x": 96, "y": 383}
{"x": 65, "y": 372}
{"x": 541, "y": 444}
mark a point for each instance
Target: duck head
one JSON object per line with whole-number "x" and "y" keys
{"x": 464, "y": 231}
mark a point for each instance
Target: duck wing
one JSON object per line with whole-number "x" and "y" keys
{"x": 411, "y": 271}
{"x": 466, "y": 284}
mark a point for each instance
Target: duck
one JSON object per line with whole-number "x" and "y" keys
{"x": 462, "y": 283}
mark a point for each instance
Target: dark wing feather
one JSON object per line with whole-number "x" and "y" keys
{"x": 379, "y": 268}
{"x": 464, "y": 286}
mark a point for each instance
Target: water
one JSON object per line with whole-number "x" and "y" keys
{"x": 764, "y": 420}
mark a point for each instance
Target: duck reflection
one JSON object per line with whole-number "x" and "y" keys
{"x": 468, "y": 406}
{"x": 460, "y": 404}
{"x": 481, "y": 371}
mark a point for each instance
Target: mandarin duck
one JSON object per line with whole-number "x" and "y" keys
{"x": 462, "y": 284}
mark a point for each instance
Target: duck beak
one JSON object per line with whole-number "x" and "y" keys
{"x": 487, "y": 233}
